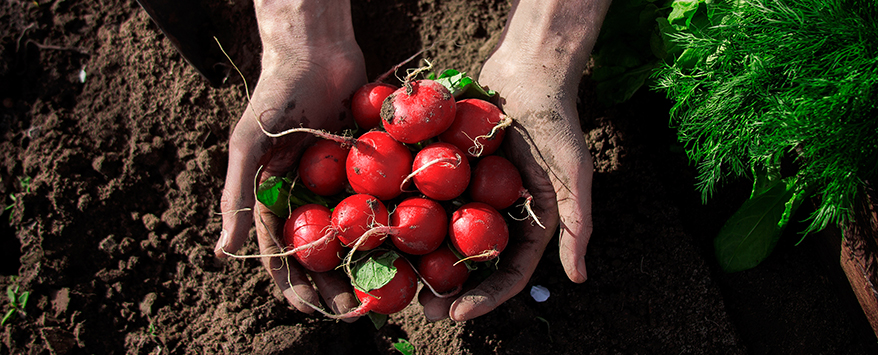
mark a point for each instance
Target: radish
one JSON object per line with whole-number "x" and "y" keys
{"x": 378, "y": 165}
{"x": 441, "y": 271}
{"x": 420, "y": 225}
{"x": 311, "y": 224}
{"x": 322, "y": 168}
{"x": 361, "y": 220}
{"x": 478, "y": 127}
{"x": 478, "y": 231}
{"x": 497, "y": 182}
{"x": 390, "y": 297}
{"x": 420, "y": 110}
{"x": 366, "y": 104}
{"x": 440, "y": 171}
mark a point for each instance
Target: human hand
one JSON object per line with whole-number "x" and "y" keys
{"x": 537, "y": 75}
{"x": 311, "y": 65}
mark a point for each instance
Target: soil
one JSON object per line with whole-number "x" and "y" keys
{"x": 113, "y": 153}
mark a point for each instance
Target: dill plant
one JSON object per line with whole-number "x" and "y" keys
{"x": 757, "y": 81}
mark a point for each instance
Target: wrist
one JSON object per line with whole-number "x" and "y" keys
{"x": 551, "y": 38}
{"x": 302, "y": 30}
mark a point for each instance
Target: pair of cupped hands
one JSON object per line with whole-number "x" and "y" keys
{"x": 311, "y": 65}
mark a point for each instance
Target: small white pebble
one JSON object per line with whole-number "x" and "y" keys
{"x": 539, "y": 293}
{"x": 82, "y": 75}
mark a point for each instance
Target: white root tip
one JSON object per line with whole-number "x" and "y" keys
{"x": 478, "y": 148}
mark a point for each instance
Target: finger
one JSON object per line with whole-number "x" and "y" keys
{"x": 529, "y": 240}
{"x": 435, "y": 308}
{"x": 238, "y": 195}
{"x": 335, "y": 289}
{"x": 558, "y": 149}
{"x": 289, "y": 276}
{"x": 518, "y": 262}
{"x": 572, "y": 181}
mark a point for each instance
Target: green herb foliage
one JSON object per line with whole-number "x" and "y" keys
{"x": 628, "y": 49}
{"x": 764, "y": 78}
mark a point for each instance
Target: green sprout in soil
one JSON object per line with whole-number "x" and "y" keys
{"x": 404, "y": 347}
{"x": 17, "y": 301}
{"x": 784, "y": 92}
{"x": 548, "y": 327}
{"x": 24, "y": 183}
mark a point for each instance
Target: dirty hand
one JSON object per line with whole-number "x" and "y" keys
{"x": 311, "y": 64}
{"x": 536, "y": 70}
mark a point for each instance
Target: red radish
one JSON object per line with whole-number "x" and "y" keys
{"x": 366, "y": 104}
{"x": 420, "y": 110}
{"x": 496, "y": 182}
{"x": 420, "y": 225}
{"x": 377, "y": 165}
{"x": 322, "y": 167}
{"x": 361, "y": 216}
{"x": 478, "y": 127}
{"x": 441, "y": 271}
{"x": 391, "y": 297}
{"x": 478, "y": 231}
{"x": 309, "y": 224}
{"x": 440, "y": 171}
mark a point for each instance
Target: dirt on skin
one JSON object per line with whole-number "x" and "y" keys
{"x": 113, "y": 154}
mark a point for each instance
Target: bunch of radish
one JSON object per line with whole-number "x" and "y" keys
{"x": 420, "y": 194}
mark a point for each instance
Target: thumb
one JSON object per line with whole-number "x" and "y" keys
{"x": 573, "y": 184}
{"x": 238, "y": 196}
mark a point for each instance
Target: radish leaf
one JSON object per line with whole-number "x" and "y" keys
{"x": 274, "y": 194}
{"x": 461, "y": 85}
{"x": 378, "y": 319}
{"x": 374, "y": 272}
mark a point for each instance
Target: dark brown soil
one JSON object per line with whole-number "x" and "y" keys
{"x": 114, "y": 235}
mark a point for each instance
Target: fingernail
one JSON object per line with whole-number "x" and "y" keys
{"x": 223, "y": 240}
{"x": 470, "y": 306}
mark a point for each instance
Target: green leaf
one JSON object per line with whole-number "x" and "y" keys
{"x": 461, "y": 85}
{"x": 11, "y": 290}
{"x": 619, "y": 88}
{"x": 274, "y": 194}
{"x": 9, "y": 316}
{"x": 374, "y": 272}
{"x": 682, "y": 12}
{"x": 765, "y": 175}
{"x": 749, "y": 236}
{"x": 22, "y": 299}
{"x": 378, "y": 319}
{"x": 404, "y": 347}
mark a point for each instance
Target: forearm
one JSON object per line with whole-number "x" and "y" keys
{"x": 554, "y": 35}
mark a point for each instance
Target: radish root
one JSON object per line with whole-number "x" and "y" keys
{"x": 528, "y": 202}
{"x": 454, "y": 162}
{"x": 448, "y": 294}
{"x": 490, "y": 254}
{"x": 322, "y": 241}
{"x": 407, "y": 82}
{"x": 396, "y": 67}
{"x": 477, "y": 148}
